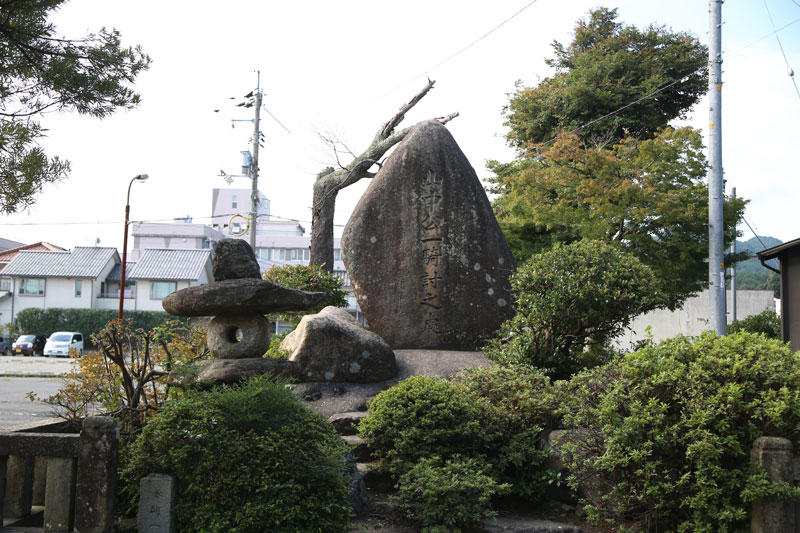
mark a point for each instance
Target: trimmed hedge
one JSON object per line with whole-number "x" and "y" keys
{"x": 87, "y": 321}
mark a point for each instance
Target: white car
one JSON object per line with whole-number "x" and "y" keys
{"x": 61, "y": 342}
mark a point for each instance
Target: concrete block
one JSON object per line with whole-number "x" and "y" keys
{"x": 59, "y": 500}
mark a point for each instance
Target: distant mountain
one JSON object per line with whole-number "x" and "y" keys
{"x": 751, "y": 274}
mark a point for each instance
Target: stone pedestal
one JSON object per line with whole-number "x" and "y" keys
{"x": 774, "y": 454}
{"x": 59, "y": 496}
{"x": 18, "y": 499}
{"x": 97, "y": 475}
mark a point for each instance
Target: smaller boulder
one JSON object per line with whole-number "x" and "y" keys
{"x": 331, "y": 347}
{"x": 234, "y": 259}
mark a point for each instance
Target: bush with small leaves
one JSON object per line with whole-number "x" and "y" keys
{"x": 569, "y": 302}
{"x": 447, "y": 495}
{"x": 663, "y": 435}
{"x": 246, "y": 459}
{"x": 766, "y": 322}
{"x": 425, "y": 417}
{"x": 494, "y": 414}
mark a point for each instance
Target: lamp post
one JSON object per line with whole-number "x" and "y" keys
{"x": 140, "y": 177}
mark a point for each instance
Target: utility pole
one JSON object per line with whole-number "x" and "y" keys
{"x": 254, "y": 165}
{"x": 733, "y": 271}
{"x": 716, "y": 250}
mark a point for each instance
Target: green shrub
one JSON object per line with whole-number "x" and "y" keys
{"x": 766, "y": 322}
{"x": 447, "y": 495}
{"x": 663, "y": 435}
{"x": 308, "y": 278}
{"x": 495, "y": 414}
{"x": 245, "y": 459}
{"x": 425, "y": 417}
{"x": 524, "y": 408}
{"x": 569, "y": 302}
{"x": 275, "y": 351}
{"x": 87, "y": 321}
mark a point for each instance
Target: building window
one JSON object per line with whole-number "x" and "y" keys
{"x": 234, "y": 202}
{"x": 5, "y": 284}
{"x": 337, "y": 254}
{"x": 31, "y": 287}
{"x": 78, "y": 287}
{"x": 160, "y": 289}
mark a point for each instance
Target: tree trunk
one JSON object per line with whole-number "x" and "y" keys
{"x": 322, "y": 224}
{"x": 329, "y": 182}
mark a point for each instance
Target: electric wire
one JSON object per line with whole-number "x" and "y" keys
{"x": 456, "y": 54}
{"x": 789, "y": 68}
{"x": 675, "y": 82}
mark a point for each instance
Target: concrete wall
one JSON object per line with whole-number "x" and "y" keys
{"x": 693, "y": 318}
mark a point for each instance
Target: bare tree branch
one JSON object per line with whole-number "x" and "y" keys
{"x": 329, "y": 182}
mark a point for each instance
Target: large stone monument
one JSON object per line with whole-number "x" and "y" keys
{"x": 428, "y": 262}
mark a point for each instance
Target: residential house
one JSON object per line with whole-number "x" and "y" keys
{"x": 45, "y": 279}
{"x": 182, "y": 235}
{"x": 7, "y": 244}
{"x": 788, "y": 255}
{"x": 159, "y": 272}
{"x": 230, "y": 209}
{"x": 89, "y": 278}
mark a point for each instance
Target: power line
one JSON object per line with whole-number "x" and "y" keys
{"x": 675, "y": 82}
{"x": 783, "y": 53}
{"x": 456, "y": 54}
{"x": 744, "y": 219}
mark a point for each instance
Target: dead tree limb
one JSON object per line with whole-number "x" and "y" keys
{"x": 330, "y": 181}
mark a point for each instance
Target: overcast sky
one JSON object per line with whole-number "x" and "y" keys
{"x": 342, "y": 69}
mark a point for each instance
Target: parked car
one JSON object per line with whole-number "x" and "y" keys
{"x": 61, "y": 342}
{"x": 29, "y": 345}
{"x": 5, "y": 345}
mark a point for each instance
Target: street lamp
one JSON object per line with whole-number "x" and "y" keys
{"x": 140, "y": 177}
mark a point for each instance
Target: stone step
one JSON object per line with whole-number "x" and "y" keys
{"x": 375, "y": 478}
{"x": 345, "y": 423}
{"x": 358, "y": 447}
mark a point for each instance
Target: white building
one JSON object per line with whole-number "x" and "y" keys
{"x": 89, "y": 278}
{"x": 47, "y": 279}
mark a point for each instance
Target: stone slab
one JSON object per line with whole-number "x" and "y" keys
{"x": 426, "y": 257}
{"x": 331, "y": 398}
{"x": 157, "y": 504}
{"x": 59, "y": 499}
{"x": 222, "y": 371}
{"x": 238, "y": 296}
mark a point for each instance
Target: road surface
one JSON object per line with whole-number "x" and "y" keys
{"x": 16, "y": 408}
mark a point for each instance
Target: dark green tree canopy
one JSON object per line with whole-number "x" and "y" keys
{"x": 41, "y": 71}
{"x": 609, "y": 65}
{"x": 627, "y": 179}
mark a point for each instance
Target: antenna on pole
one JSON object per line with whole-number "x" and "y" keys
{"x": 250, "y": 168}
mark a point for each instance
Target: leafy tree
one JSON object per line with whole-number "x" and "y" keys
{"x": 41, "y": 71}
{"x": 644, "y": 196}
{"x": 627, "y": 179}
{"x": 606, "y": 66}
{"x": 569, "y": 300}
